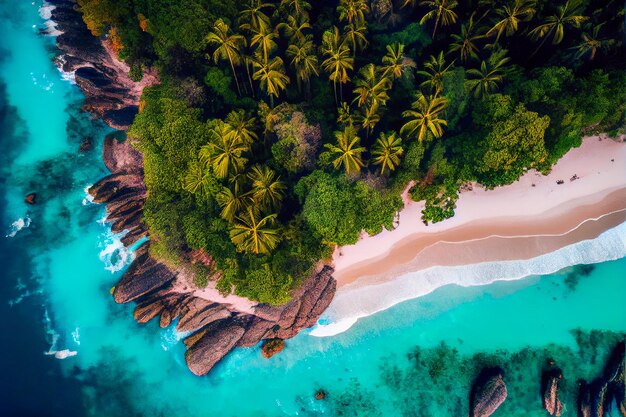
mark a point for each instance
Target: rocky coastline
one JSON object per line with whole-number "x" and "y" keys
{"x": 214, "y": 324}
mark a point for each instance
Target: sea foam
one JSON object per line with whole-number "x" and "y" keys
{"x": 17, "y": 225}
{"x": 351, "y": 304}
{"x": 114, "y": 254}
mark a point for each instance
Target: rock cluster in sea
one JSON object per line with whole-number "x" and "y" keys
{"x": 595, "y": 397}
{"x": 215, "y": 327}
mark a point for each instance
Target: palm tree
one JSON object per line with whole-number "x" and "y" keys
{"x": 241, "y": 126}
{"x": 304, "y": 60}
{"x": 345, "y": 115}
{"x": 299, "y": 7}
{"x": 338, "y": 60}
{"x": 434, "y": 71}
{"x": 197, "y": 179}
{"x": 347, "y": 152}
{"x": 370, "y": 118}
{"x": 425, "y": 117}
{"x": 253, "y": 234}
{"x": 387, "y": 151}
{"x": 295, "y": 27}
{"x": 224, "y": 152}
{"x": 228, "y": 46}
{"x": 371, "y": 87}
{"x": 232, "y": 201}
{"x": 267, "y": 189}
{"x": 353, "y": 11}
{"x": 356, "y": 35}
{"x": 510, "y": 16}
{"x": 395, "y": 64}
{"x": 441, "y": 11}
{"x": 465, "y": 42}
{"x": 567, "y": 14}
{"x": 491, "y": 73}
{"x": 254, "y": 18}
{"x": 591, "y": 42}
{"x": 264, "y": 41}
{"x": 272, "y": 77}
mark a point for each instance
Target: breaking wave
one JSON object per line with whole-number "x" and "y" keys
{"x": 114, "y": 254}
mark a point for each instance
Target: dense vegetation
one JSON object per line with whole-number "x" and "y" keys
{"x": 281, "y": 130}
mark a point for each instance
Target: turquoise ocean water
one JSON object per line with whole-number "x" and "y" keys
{"x": 69, "y": 350}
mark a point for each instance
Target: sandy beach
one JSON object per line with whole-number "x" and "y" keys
{"x": 533, "y": 216}
{"x": 538, "y": 225}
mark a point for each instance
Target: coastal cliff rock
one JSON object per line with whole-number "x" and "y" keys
{"x": 550, "y": 392}
{"x": 119, "y": 155}
{"x": 488, "y": 393}
{"x": 216, "y": 326}
{"x": 110, "y": 93}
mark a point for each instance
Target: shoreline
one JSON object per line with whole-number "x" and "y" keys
{"x": 494, "y": 235}
{"x": 512, "y": 211}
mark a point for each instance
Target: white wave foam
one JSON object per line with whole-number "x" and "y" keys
{"x": 353, "y": 303}
{"x": 170, "y": 337}
{"x": 88, "y": 197}
{"x": 45, "y": 12}
{"x": 76, "y": 336}
{"x": 19, "y": 224}
{"x": 53, "y": 339}
{"x": 67, "y": 76}
{"x": 114, "y": 254}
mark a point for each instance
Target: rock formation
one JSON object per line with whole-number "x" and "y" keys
{"x": 215, "y": 326}
{"x": 488, "y": 393}
{"x": 109, "y": 92}
{"x": 550, "y": 391}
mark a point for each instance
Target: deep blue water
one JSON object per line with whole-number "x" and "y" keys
{"x": 68, "y": 350}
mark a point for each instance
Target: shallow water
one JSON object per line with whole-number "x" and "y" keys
{"x": 57, "y": 273}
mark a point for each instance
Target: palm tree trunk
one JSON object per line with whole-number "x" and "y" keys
{"x": 545, "y": 38}
{"x": 335, "y": 90}
{"x": 235, "y": 74}
{"x": 249, "y": 78}
{"x": 436, "y": 24}
{"x": 341, "y": 92}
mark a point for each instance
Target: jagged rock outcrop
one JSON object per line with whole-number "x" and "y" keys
{"x": 488, "y": 393}
{"x": 109, "y": 91}
{"x": 550, "y": 391}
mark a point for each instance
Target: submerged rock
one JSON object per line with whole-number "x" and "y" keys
{"x": 86, "y": 145}
{"x": 271, "y": 347}
{"x": 488, "y": 392}
{"x": 320, "y": 394}
{"x": 31, "y": 199}
{"x": 550, "y": 392}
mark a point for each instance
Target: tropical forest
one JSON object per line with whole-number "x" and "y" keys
{"x": 283, "y": 129}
